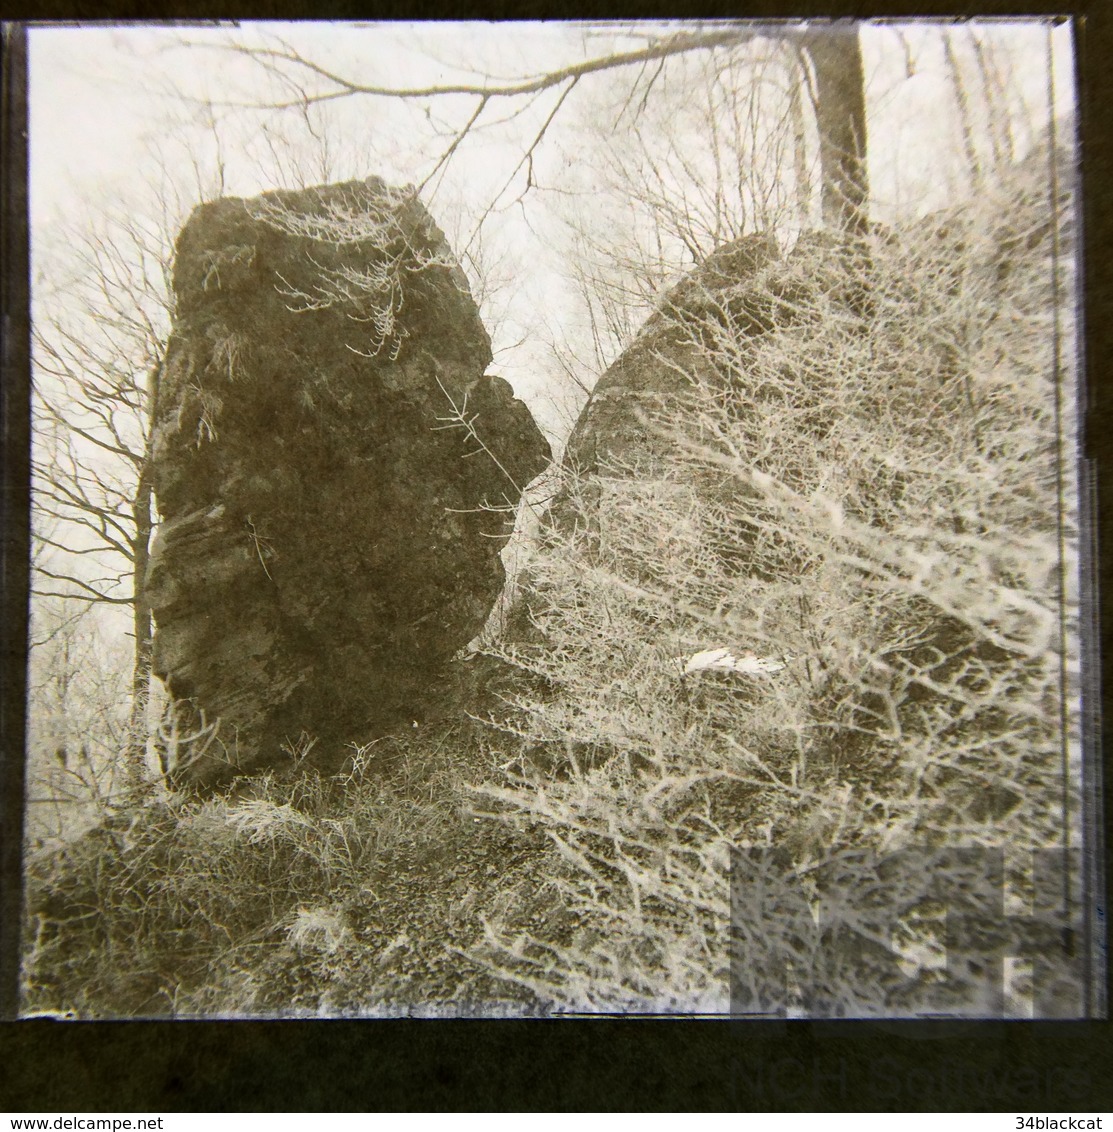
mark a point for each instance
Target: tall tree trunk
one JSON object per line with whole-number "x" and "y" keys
{"x": 840, "y": 109}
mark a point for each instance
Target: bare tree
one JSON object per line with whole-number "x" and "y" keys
{"x": 724, "y": 148}
{"x": 80, "y": 697}
{"x": 301, "y": 82}
{"x": 98, "y": 344}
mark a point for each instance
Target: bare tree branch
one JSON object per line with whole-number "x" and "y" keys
{"x": 273, "y": 59}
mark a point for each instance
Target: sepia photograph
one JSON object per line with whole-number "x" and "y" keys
{"x": 559, "y": 519}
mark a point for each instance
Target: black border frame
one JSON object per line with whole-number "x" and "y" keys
{"x": 557, "y": 1065}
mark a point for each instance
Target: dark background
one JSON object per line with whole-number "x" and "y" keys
{"x": 619, "y": 1064}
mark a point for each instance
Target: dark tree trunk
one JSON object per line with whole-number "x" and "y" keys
{"x": 840, "y": 109}
{"x": 142, "y": 630}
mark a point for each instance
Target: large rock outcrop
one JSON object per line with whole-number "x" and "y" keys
{"x": 699, "y": 338}
{"x": 654, "y": 375}
{"x": 330, "y": 459}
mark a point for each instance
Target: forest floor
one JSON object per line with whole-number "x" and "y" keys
{"x": 237, "y": 904}
{"x": 414, "y": 921}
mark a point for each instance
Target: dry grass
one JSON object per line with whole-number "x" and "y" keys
{"x": 278, "y": 896}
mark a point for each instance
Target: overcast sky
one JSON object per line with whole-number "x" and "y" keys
{"x": 106, "y": 105}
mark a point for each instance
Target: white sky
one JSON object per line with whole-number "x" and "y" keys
{"x": 105, "y": 109}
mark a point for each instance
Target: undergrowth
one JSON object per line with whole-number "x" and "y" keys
{"x": 864, "y": 486}
{"x": 297, "y": 893}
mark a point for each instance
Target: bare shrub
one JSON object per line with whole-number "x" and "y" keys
{"x": 864, "y": 483}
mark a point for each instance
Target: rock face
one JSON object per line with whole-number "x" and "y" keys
{"x": 741, "y": 291}
{"x": 659, "y": 366}
{"x": 330, "y": 525}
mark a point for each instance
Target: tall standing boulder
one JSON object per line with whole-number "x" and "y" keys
{"x": 335, "y": 473}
